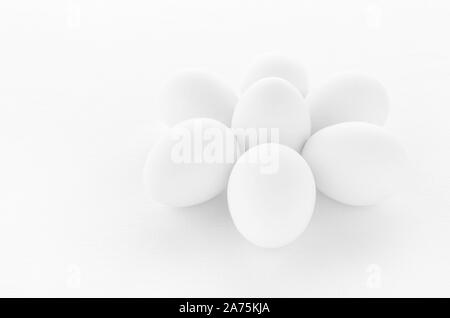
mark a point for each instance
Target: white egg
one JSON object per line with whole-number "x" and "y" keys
{"x": 191, "y": 163}
{"x": 194, "y": 94}
{"x": 355, "y": 163}
{"x": 274, "y": 65}
{"x": 272, "y": 110}
{"x": 271, "y": 195}
{"x": 348, "y": 97}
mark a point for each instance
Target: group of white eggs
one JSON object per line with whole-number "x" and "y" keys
{"x": 330, "y": 138}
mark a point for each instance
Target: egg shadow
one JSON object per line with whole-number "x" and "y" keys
{"x": 348, "y": 234}
{"x": 196, "y": 229}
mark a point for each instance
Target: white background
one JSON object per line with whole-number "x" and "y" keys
{"x": 77, "y": 117}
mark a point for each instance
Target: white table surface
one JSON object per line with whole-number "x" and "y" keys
{"x": 77, "y": 116}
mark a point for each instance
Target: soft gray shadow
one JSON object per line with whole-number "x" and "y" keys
{"x": 192, "y": 229}
{"x": 338, "y": 232}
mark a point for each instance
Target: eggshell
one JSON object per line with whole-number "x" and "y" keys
{"x": 271, "y": 195}
{"x": 272, "y": 105}
{"x": 355, "y": 163}
{"x": 348, "y": 97}
{"x": 275, "y": 65}
{"x": 191, "y": 163}
{"x": 196, "y": 93}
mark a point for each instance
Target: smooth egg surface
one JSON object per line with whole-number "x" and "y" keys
{"x": 194, "y": 94}
{"x": 355, "y": 163}
{"x": 275, "y": 65}
{"x": 272, "y": 110}
{"x": 271, "y": 195}
{"x": 191, "y": 163}
{"x": 348, "y": 97}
